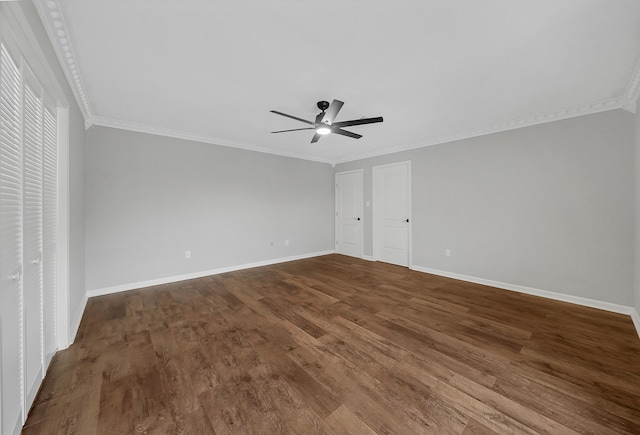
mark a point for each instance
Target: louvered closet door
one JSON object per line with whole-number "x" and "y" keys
{"x": 11, "y": 306}
{"x": 49, "y": 233}
{"x": 32, "y": 244}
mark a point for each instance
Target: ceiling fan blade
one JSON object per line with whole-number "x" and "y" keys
{"x": 345, "y": 133}
{"x": 292, "y": 117}
{"x": 316, "y": 138}
{"x": 357, "y": 122}
{"x": 294, "y": 129}
{"x": 332, "y": 111}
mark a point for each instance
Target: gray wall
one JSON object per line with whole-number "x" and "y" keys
{"x": 76, "y": 170}
{"x": 549, "y": 207}
{"x": 151, "y": 198}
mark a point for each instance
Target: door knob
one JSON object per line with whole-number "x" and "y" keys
{"x": 407, "y": 220}
{"x": 358, "y": 218}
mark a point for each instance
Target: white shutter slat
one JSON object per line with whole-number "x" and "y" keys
{"x": 32, "y": 173}
{"x": 49, "y": 180}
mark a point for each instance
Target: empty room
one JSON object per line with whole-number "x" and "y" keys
{"x": 356, "y": 217}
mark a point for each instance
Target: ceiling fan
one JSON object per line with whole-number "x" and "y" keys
{"x": 324, "y": 121}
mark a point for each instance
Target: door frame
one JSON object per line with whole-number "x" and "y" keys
{"x": 376, "y": 210}
{"x": 360, "y": 207}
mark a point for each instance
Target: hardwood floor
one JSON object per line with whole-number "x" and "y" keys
{"x": 338, "y": 345}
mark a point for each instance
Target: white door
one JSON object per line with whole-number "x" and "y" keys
{"x": 349, "y": 213}
{"x": 391, "y": 213}
{"x": 28, "y": 238}
{"x": 32, "y": 233}
{"x": 11, "y": 301}
{"x": 49, "y": 231}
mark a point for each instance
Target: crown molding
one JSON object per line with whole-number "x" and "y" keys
{"x": 567, "y": 113}
{"x": 28, "y": 45}
{"x": 50, "y": 12}
{"x": 632, "y": 93}
{"x": 160, "y": 131}
{"x": 571, "y": 112}
{"x": 630, "y": 105}
{"x": 51, "y": 15}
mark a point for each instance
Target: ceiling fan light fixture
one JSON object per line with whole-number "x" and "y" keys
{"x": 323, "y": 130}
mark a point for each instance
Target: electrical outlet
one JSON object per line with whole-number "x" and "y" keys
{"x": 447, "y": 252}
{"x": 187, "y": 254}
{"x": 286, "y": 242}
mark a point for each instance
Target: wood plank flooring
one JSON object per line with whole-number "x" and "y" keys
{"x": 338, "y": 345}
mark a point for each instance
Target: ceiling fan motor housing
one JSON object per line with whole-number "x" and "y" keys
{"x": 323, "y": 105}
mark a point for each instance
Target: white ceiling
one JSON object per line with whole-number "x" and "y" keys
{"x": 436, "y": 70}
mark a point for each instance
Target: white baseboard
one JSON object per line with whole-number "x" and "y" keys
{"x": 17, "y": 428}
{"x": 607, "y": 306}
{"x": 77, "y": 319}
{"x": 171, "y": 279}
{"x": 636, "y": 320}
{"x": 32, "y": 390}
